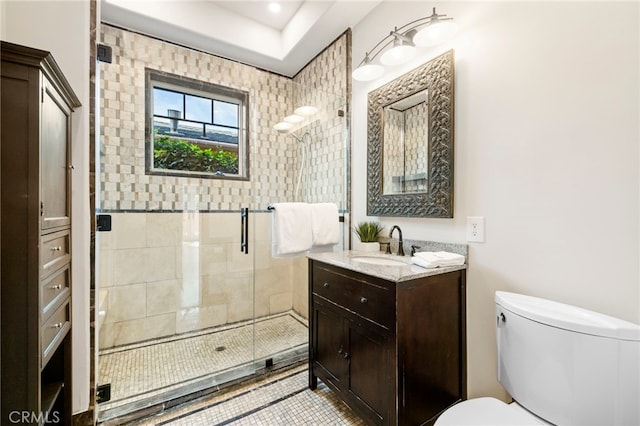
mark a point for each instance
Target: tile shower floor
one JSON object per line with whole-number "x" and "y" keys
{"x": 282, "y": 399}
{"x": 152, "y": 370}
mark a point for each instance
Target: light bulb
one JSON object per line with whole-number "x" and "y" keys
{"x": 275, "y": 7}
{"x": 435, "y": 33}
{"x": 398, "y": 55}
{"x": 293, "y": 118}
{"x": 305, "y": 110}
{"x": 283, "y": 127}
{"x": 367, "y": 72}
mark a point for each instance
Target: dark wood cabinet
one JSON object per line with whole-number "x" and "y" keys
{"x": 394, "y": 352}
{"x": 35, "y": 245}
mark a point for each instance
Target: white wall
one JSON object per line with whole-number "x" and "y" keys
{"x": 546, "y": 149}
{"x": 62, "y": 27}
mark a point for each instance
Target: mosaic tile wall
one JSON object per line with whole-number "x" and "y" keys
{"x": 327, "y": 74}
{"x": 274, "y": 157}
{"x": 393, "y": 151}
{"x": 172, "y": 263}
{"x": 405, "y": 150}
{"x": 416, "y": 146}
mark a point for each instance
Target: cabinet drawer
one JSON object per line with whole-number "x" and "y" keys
{"x": 54, "y": 251}
{"x": 369, "y": 300}
{"x": 53, "y": 332}
{"x": 53, "y": 291}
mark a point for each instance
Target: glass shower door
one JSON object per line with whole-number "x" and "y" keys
{"x": 188, "y": 293}
{"x": 176, "y": 303}
{"x": 175, "y": 293}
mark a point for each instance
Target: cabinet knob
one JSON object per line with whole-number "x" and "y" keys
{"x": 325, "y": 285}
{"x": 56, "y": 287}
{"x": 340, "y": 350}
{"x": 345, "y": 355}
{"x": 56, "y": 325}
{"x": 363, "y": 299}
{"x": 57, "y": 248}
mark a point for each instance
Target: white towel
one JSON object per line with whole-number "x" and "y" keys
{"x": 425, "y": 263}
{"x": 325, "y": 228}
{"x": 291, "y": 228}
{"x": 431, "y": 259}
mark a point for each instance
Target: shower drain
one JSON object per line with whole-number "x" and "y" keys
{"x": 220, "y": 348}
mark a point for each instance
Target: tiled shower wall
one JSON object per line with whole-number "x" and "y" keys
{"x": 172, "y": 263}
{"x": 405, "y": 152}
{"x": 328, "y": 74}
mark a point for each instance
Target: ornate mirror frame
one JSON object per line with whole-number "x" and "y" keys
{"x": 436, "y": 76}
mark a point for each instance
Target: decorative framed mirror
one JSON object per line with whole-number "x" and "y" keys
{"x": 410, "y": 143}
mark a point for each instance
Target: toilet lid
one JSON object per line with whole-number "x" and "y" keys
{"x": 486, "y": 411}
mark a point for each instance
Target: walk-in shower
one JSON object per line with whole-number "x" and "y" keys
{"x": 189, "y": 296}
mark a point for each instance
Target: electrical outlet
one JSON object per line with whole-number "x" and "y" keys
{"x": 475, "y": 229}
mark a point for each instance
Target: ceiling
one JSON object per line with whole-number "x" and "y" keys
{"x": 261, "y": 13}
{"x": 245, "y": 31}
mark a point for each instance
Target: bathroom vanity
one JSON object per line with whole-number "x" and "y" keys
{"x": 387, "y": 336}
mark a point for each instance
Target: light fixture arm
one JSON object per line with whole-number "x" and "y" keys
{"x": 368, "y": 57}
{"x": 433, "y": 18}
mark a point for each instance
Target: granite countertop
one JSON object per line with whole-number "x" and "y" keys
{"x": 395, "y": 273}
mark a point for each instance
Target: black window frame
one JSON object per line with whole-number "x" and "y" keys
{"x": 191, "y": 87}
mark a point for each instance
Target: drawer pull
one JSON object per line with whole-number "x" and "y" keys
{"x": 325, "y": 285}
{"x": 345, "y": 355}
{"x": 57, "y": 325}
{"x": 56, "y": 287}
{"x": 363, "y": 299}
{"x": 57, "y": 248}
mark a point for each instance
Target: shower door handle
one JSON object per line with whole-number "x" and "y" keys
{"x": 244, "y": 230}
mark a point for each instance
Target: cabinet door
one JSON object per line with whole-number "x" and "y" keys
{"x": 329, "y": 345}
{"x": 55, "y": 128}
{"x": 371, "y": 369}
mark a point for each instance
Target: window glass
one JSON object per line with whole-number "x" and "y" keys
{"x": 198, "y": 108}
{"x": 222, "y": 134}
{"x": 197, "y": 128}
{"x": 225, "y": 114}
{"x": 165, "y": 101}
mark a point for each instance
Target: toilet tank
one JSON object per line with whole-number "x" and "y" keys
{"x": 568, "y": 365}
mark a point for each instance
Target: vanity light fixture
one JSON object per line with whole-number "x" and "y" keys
{"x": 294, "y": 118}
{"x": 305, "y": 110}
{"x": 299, "y": 115}
{"x": 427, "y": 31}
{"x": 283, "y": 127}
{"x": 403, "y": 49}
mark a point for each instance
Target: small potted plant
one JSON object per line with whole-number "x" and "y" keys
{"x": 368, "y": 233}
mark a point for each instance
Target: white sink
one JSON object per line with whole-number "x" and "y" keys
{"x": 375, "y": 260}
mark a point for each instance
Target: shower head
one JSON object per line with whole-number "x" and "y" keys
{"x": 300, "y": 138}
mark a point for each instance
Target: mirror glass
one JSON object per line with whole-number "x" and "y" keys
{"x": 410, "y": 143}
{"x": 405, "y": 145}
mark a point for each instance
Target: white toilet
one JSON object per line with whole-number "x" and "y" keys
{"x": 562, "y": 365}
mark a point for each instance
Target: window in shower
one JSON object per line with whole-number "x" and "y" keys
{"x": 195, "y": 128}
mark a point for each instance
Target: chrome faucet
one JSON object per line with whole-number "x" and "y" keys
{"x": 400, "y": 248}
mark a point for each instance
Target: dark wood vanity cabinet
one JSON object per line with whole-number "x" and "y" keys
{"x": 35, "y": 226}
{"x": 394, "y": 352}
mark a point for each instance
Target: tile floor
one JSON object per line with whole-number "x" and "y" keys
{"x": 281, "y": 399}
{"x": 149, "y": 371}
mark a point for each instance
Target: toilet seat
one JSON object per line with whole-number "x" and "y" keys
{"x": 487, "y": 411}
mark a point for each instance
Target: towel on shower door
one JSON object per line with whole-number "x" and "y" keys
{"x": 291, "y": 228}
{"x": 325, "y": 228}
